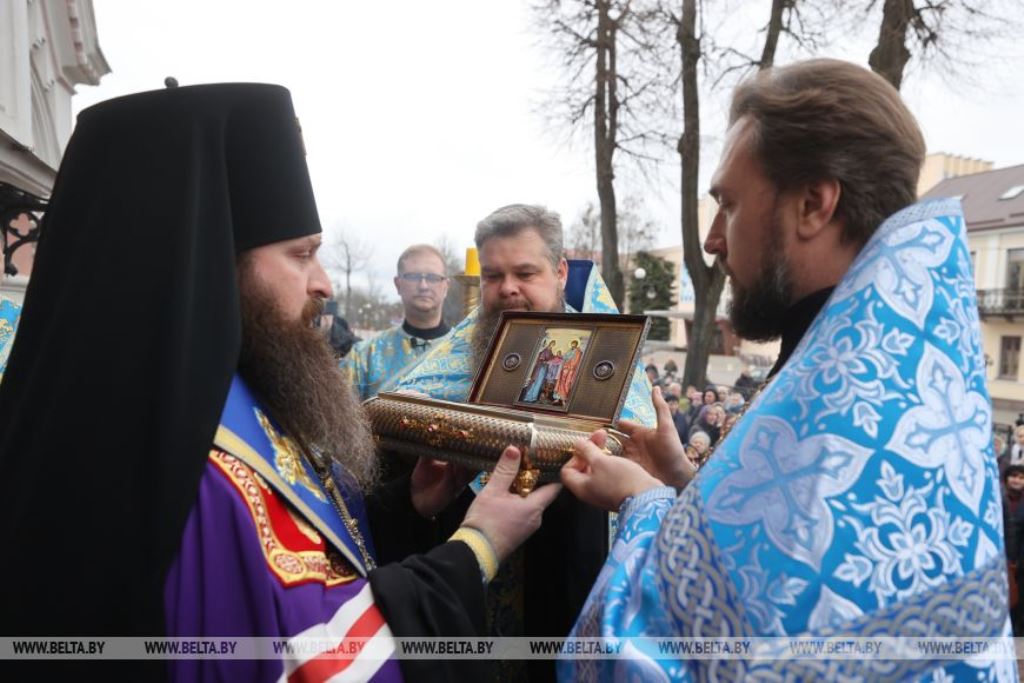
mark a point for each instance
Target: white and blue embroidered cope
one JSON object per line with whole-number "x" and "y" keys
{"x": 859, "y": 496}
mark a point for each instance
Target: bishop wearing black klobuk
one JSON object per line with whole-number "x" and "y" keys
{"x": 117, "y": 516}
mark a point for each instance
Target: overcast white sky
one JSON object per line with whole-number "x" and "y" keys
{"x": 420, "y": 118}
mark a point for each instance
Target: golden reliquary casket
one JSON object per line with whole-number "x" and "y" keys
{"x": 547, "y": 380}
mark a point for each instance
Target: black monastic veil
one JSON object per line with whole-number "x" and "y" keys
{"x": 125, "y": 352}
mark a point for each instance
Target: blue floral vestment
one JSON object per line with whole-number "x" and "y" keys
{"x": 859, "y": 496}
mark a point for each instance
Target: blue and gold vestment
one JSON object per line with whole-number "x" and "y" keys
{"x": 374, "y": 365}
{"x": 541, "y": 588}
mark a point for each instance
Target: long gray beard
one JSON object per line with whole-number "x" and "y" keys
{"x": 290, "y": 367}
{"x": 487, "y": 325}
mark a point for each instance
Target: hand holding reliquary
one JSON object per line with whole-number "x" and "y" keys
{"x": 547, "y": 380}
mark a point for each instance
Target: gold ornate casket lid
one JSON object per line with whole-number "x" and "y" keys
{"x": 570, "y": 367}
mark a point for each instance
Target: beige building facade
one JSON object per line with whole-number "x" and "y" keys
{"x": 993, "y": 203}
{"x": 46, "y": 50}
{"x": 940, "y": 166}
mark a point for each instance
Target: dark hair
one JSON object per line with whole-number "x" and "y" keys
{"x": 827, "y": 119}
{"x": 1012, "y": 469}
{"x": 671, "y": 397}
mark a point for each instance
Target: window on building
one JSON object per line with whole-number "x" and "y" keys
{"x": 1015, "y": 269}
{"x": 1013, "y": 192}
{"x": 1009, "y": 356}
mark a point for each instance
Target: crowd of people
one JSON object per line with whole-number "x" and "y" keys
{"x": 1011, "y": 474}
{"x": 701, "y": 418}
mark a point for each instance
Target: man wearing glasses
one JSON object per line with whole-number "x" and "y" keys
{"x": 421, "y": 282}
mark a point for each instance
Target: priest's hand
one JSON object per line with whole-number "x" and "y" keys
{"x": 435, "y": 484}
{"x": 659, "y": 450}
{"x": 505, "y": 518}
{"x": 601, "y": 479}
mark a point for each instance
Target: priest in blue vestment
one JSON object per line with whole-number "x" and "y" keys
{"x": 374, "y": 365}
{"x": 522, "y": 267}
{"x": 858, "y": 495}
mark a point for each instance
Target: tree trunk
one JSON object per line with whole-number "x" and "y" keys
{"x": 771, "y": 40}
{"x": 605, "y": 125}
{"x": 890, "y": 55}
{"x": 348, "y": 287}
{"x": 703, "y": 331}
{"x": 708, "y": 281}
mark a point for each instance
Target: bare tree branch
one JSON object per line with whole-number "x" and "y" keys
{"x": 345, "y": 255}
{"x": 952, "y": 35}
{"x": 613, "y": 84}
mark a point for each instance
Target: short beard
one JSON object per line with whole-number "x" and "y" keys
{"x": 487, "y": 324}
{"x": 758, "y": 312}
{"x": 290, "y": 367}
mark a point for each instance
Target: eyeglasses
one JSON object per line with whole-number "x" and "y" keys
{"x": 432, "y": 278}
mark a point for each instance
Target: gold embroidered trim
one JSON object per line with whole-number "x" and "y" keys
{"x": 287, "y": 459}
{"x": 290, "y": 566}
